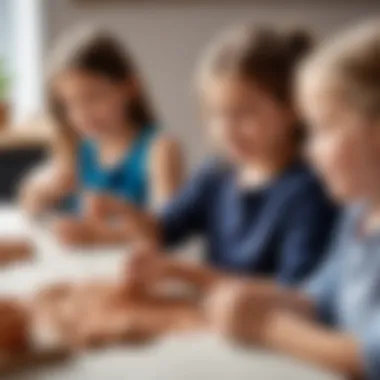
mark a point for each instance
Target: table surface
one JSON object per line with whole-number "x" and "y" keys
{"x": 189, "y": 356}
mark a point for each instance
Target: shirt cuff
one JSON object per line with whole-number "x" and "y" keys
{"x": 370, "y": 352}
{"x": 323, "y": 305}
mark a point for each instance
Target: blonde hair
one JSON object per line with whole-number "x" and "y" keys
{"x": 348, "y": 66}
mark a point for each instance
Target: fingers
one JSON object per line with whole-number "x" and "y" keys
{"x": 100, "y": 206}
{"x": 73, "y": 232}
{"x": 143, "y": 269}
{"x": 96, "y": 206}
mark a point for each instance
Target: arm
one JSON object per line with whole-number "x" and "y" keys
{"x": 72, "y": 231}
{"x": 306, "y": 234}
{"x": 166, "y": 171}
{"x": 310, "y": 341}
{"x": 182, "y": 217}
{"x": 260, "y": 312}
{"x": 50, "y": 182}
{"x": 285, "y": 320}
{"x": 45, "y": 186}
{"x": 202, "y": 277}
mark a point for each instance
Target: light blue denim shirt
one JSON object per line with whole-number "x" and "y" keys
{"x": 347, "y": 288}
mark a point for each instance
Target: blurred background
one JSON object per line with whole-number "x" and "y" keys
{"x": 166, "y": 36}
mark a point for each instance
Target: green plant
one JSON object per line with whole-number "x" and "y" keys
{"x": 4, "y": 81}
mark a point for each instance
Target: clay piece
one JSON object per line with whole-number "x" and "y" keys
{"x": 13, "y": 250}
{"x": 99, "y": 313}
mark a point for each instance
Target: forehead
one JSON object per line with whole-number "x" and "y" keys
{"x": 75, "y": 78}
{"x": 229, "y": 88}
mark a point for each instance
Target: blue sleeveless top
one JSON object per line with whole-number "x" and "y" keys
{"x": 128, "y": 179}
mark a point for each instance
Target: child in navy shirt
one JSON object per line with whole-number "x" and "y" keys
{"x": 335, "y": 322}
{"x": 259, "y": 208}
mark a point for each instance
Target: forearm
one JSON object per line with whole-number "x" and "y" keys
{"x": 306, "y": 340}
{"x": 108, "y": 234}
{"x": 201, "y": 276}
{"x": 49, "y": 183}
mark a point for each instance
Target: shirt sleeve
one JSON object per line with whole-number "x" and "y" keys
{"x": 322, "y": 289}
{"x": 370, "y": 350}
{"x": 306, "y": 234}
{"x": 186, "y": 214}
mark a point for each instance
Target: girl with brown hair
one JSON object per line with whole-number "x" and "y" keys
{"x": 107, "y": 136}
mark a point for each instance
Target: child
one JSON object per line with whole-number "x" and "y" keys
{"x": 340, "y": 95}
{"x": 108, "y": 137}
{"x": 259, "y": 208}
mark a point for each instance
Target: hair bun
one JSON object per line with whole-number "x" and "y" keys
{"x": 299, "y": 43}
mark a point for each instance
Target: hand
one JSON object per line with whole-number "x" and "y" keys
{"x": 44, "y": 187}
{"x": 102, "y": 206}
{"x": 34, "y": 198}
{"x": 97, "y": 206}
{"x": 14, "y": 326}
{"x": 144, "y": 268}
{"x": 136, "y": 224}
{"x": 242, "y": 311}
{"x": 74, "y": 232}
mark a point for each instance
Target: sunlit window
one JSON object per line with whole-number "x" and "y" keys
{"x": 6, "y": 63}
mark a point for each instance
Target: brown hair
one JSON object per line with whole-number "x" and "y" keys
{"x": 263, "y": 55}
{"x": 348, "y": 66}
{"x": 95, "y": 51}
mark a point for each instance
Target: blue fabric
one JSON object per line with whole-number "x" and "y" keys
{"x": 128, "y": 179}
{"x": 281, "y": 230}
{"x": 347, "y": 289}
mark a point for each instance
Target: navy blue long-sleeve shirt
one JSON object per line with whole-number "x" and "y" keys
{"x": 281, "y": 230}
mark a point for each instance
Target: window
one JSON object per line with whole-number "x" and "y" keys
{"x": 21, "y": 53}
{"x": 5, "y": 60}
{"x": 5, "y": 30}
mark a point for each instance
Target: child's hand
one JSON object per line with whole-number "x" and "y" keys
{"x": 101, "y": 206}
{"x": 144, "y": 267}
{"x": 14, "y": 326}
{"x": 73, "y": 232}
{"x": 44, "y": 187}
{"x": 34, "y": 198}
{"x": 97, "y": 206}
{"x": 242, "y": 311}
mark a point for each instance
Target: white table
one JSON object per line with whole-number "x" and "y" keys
{"x": 187, "y": 357}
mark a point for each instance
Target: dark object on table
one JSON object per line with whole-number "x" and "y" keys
{"x": 14, "y": 164}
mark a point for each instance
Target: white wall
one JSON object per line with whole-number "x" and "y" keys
{"x": 167, "y": 39}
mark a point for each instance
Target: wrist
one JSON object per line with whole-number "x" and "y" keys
{"x": 275, "y": 326}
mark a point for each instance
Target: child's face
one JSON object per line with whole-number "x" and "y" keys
{"x": 343, "y": 146}
{"x": 244, "y": 121}
{"x": 92, "y": 104}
